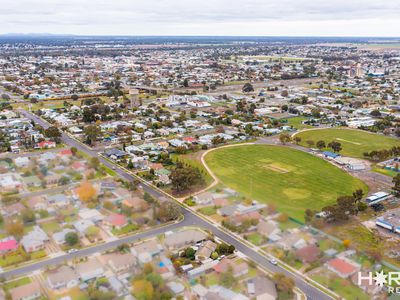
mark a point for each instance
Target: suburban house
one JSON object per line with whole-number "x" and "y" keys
{"x": 237, "y": 269}
{"x": 207, "y": 266}
{"x": 28, "y": 291}
{"x": 206, "y": 250}
{"x": 59, "y": 237}
{"x": 120, "y": 263}
{"x": 135, "y": 203}
{"x": 184, "y": 238}
{"x": 82, "y": 225}
{"x": 46, "y": 144}
{"x": 220, "y": 292}
{"x": 37, "y": 203}
{"x": 261, "y": 288}
{"x": 62, "y": 277}
{"x": 343, "y": 267}
{"x": 8, "y": 244}
{"x": 116, "y": 221}
{"x": 308, "y": 254}
{"x": 146, "y": 251}
{"x": 35, "y": 240}
{"x": 89, "y": 269}
{"x": 269, "y": 229}
{"x": 203, "y": 198}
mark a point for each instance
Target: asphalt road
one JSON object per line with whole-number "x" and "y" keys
{"x": 190, "y": 219}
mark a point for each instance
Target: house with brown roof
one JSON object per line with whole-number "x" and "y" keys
{"x": 146, "y": 251}
{"x": 13, "y": 209}
{"x": 206, "y": 250}
{"x": 37, "y": 203}
{"x": 237, "y": 269}
{"x": 120, "y": 262}
{"x": 135, "y": 203}
{"x": 184, "y": 238}
{"x": 308, "y": 254}
{"x": 28, "y": 291}
{"x": 267, "y": 228}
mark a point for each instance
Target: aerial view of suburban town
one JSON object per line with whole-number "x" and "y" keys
{"x": 199, "y": 151}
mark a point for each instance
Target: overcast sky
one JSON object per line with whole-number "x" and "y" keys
{"x": 204, "y": 17}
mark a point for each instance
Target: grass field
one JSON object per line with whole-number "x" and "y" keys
{"x": 290, "y": 179}
{"x": 354, "y": 142}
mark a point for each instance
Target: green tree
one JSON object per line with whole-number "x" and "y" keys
{"x": 28, "y": 216}
{"x": 321, "y": 145}
{"x": 168, "y": 211}
{"x": 190, "y": 253}
{"x": 336, "y": 146}
{"x": 54, "y": 133}
{"x": 227, "y": 279}
{"x": 284, "y": 138}
{"x": 71, "y": 238}
{"x": 143, "y": 290}
{"x": 184, "y": 177}
{"x": 92, "y": 132}
{"x": 92, "y": 231}
{"x": 74, "y": 151}
{"x": 283, "y": 283}
{"x": 247, "y": 88}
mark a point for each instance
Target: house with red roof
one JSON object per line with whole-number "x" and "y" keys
{"x": 8, "y": 244}
{"x": 46, "y": 144}
{"x": 78, "y": 166}
{"x": 343, "y": 267}
{"x": 65, "y": 152}
{"x": 189, "y": 139}
{"x": 116, "y": 221}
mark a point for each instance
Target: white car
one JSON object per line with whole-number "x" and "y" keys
{"x": 72, "y": 250}
{"x": 273, "y": 261}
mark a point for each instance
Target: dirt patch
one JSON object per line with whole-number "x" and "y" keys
{"x": 275, "y": 168}
{"x": 350, "y": 142}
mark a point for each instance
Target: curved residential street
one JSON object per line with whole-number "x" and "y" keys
{"x": 190, "y": 219}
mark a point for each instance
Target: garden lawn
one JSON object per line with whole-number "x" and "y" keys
{"x": 16, "y": 283}
{"x": 208, "y": 211}
{"x": 126, "y": 229}
{"x": 354, "y": 142}
{"x": 342, "y": 287}
{"x": 289, "y": 179}
{"x": 296, "y": 122}
{"x": 386, "y": 172}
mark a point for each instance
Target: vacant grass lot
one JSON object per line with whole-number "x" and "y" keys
{"x": 290, "y": 179}
{"x": 354, "y": 142}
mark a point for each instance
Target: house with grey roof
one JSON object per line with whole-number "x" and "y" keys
{"x": 60, "y": 200}
{"x": 62, "y": 277}
{"x": 89, "y": 269}
{"x": 59, "y": 237}
{"x": 35, "y": 240}
{"x": 82, "y": 225}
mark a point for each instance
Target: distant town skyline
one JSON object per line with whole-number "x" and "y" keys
{"x": 207, "y": 17}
